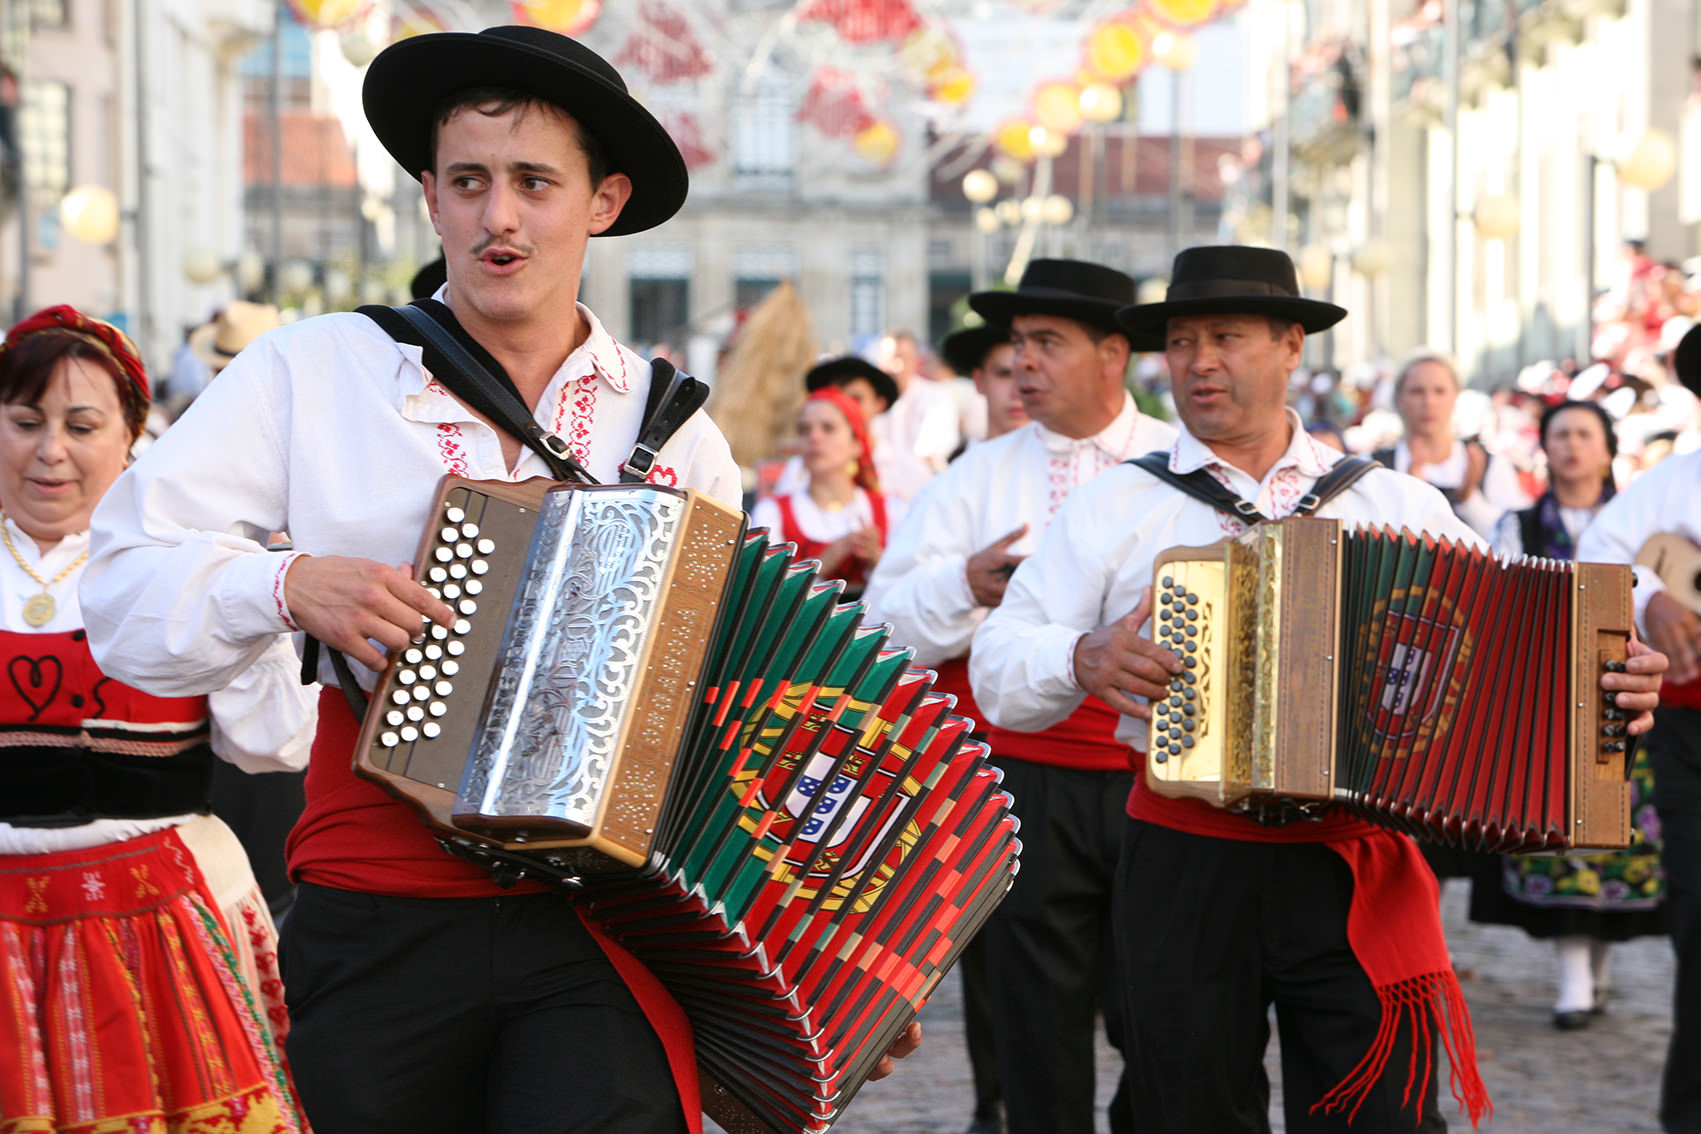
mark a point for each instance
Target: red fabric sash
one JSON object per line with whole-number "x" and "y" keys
{"x": 954, "y": 679}
{"x": 1393, "y": 928}
{"x": 1685, "y": 696}
{"x": 1084, "y": 739}
{"x": 354, "y": 836}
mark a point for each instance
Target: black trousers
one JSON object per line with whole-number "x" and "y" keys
{"x": 1674, "y": 750}
{"x": 457, "y": 1015}
{"x": 1048, "y": 947}
{"x": 1209, "y": 934}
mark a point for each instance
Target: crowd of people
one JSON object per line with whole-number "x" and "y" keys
{"x": 999, "y": 503}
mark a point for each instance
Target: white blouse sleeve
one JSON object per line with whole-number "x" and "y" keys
{"x": 264, "y": 720}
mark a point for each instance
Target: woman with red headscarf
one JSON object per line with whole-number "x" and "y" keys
{"x": 840, "y": 517}
{"x": 139, "y": 985}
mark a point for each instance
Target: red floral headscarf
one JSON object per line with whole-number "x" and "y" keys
{"x": 112, "y": 343}
{"x": 867, "y": 478}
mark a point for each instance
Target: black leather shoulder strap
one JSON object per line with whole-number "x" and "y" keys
{"x": 1203, "y": 486}
{"x": 674, "y": 396}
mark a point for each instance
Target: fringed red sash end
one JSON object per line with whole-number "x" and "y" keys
{"x": 1431, "y": 1002}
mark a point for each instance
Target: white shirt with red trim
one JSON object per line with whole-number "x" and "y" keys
{"x": 334, "y": 432}
{"x": 1097, "y": 556}
{"x": 921, "y": 586}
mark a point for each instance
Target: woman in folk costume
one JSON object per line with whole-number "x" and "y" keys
{"x": 1583, "y": 903}
{"x": 840, "y": 516}
{"x": 139, "y": 987}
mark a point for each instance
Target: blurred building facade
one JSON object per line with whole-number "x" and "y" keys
{"x": 1465, "y": 175}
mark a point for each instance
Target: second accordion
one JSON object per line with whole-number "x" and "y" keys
{"x": 1427, "y": 685}
{"x": 761, "y": 801}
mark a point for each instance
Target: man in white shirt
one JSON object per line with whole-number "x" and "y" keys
{"x": 1217, "y": 917}
{"x": 1667, "y": 500}
{"x": 922, "y": 420}
{"x": 984, "y": 356}
{"x": 1481, "y": 486}
{"x": 423, "y": 996}
{"x": 1047, "y": 946}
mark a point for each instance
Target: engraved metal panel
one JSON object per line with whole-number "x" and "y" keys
{"x": 570, "y": 655}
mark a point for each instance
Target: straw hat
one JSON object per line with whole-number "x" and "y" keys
{"x": 235, "y": 327}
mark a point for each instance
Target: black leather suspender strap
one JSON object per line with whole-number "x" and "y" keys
{"x": 1201, "y": 485}
{"x": 479, "y": 381}
{"x": 674, "y": 396}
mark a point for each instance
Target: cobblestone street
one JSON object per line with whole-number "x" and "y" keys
{"x": 1604, "y": 1078}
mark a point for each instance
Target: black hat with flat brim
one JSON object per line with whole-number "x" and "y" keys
{"x": 965, "y": 351}
{"x": 849, "y": 368}
{"x": 1686, "y": 360}
{"x": 1229, "y": 279}
{"x": 1075, "y": 289}
{"x": 410, "y": 80}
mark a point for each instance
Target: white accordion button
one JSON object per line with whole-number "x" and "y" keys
{"x": 409, "y": 733}
{"x": 486, "y": 546}
{"x": 468, "y": 606}
{"x": 469, "y": 530}
{"x": 452, "y": 591}
{"x": 479, "y": 566}
{"x": 427, "y": 672}
{"x": 474, "y": 587}
{"x": 431, "y": 729}
{"x": 457, "y": 570}
{"x": 387, "y": 739}
{"x": 464, "y": 550}
{"x": 454, "y": 515}
{"x": 462, "y": 626}
{"x": 437, "y": 709}
{"x": 449, "y": 535}
{"x": 444, "y": 688}
{"x": 455, "y": 648}
{"x": 451, "y": 667}
{"x": 421, "y": 693}
{"x": 405, "y": 676}
{"x": 437, "y": 574}
{"x": 415, "y": 713}
{"x": 394, "y": 717}
{"x": 411, "y": 657}
{"x": 400, "y": 696}
{"x": 433, "y": 651}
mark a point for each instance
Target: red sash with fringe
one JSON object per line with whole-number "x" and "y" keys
{"x": 1393, "y": 928}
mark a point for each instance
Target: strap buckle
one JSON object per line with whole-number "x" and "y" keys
{"x": 1308, "y": 504}
{"x": 1246, "y": 508}
{"x": 639, "y": 464}
{"x": 554, "y": 443}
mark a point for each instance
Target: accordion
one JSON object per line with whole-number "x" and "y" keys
{"x": 757, "y": 797}
{"x": 1430, "y": 687}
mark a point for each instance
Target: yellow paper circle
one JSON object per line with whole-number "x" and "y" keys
{"x": 954, "y": 87}
{"x": 1114, "y": 51}
{"x": 877, "y": 143}
{"x": 1012, "y": 139}
{"x": 1185, "y": 13}
{"x": 328, "y": 13}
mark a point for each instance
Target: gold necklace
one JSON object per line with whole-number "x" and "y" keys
{"x": 39, "y": 609}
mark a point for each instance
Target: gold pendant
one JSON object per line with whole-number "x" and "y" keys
{"x": 39, "y": 610}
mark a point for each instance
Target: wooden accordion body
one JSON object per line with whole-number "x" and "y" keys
{"x": 1428, "y": 686}
{"x": 761, "y": 801}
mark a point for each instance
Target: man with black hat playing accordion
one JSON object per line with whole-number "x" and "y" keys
{"x": 1217, "y": 917}
{"x": 423, "y": 997}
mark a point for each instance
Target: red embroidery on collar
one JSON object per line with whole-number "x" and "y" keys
{"x": 1058, "y": 475}
{"x": 449, "y": 449}
{"x": 584, "y": 416}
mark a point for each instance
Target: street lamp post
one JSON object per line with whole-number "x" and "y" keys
{"x": 1176, "y": 52}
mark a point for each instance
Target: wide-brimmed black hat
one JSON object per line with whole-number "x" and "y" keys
{"x": 1076, "y": 289}
{"x": 1686, "y": 360}
{"x": 847, "y": 368}
{"x": 410, "y": 79}
{"x": 964, "y": 351}
{"x": 1229, "y": 279}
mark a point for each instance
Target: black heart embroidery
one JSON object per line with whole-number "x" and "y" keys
{"x": 36, "y": 680}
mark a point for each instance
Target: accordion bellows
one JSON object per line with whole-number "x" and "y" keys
{"x": 1431, "y": 687}
{"x": 765, "y": 804}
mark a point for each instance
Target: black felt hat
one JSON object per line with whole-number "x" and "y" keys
{"x": 410, "y": 79}
{"x": 964, "y": 351}
{"x": 1076, "y": 289}
{"x": 847, "y": 368}
{"x": 1686, "y": 360}
{"x": 1229, "y": 279}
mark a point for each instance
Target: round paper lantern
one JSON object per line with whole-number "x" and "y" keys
{"x": 955, "y": 87}
{"x": 979, "y": 186}
{"x": 877, "y": 142}
{"x": 1008, "y": 212}
{"x": 1650, "y": 162}
{"x": 90, "y": 213}
{"x": 250, "y": 271}
{"x": 1152, "y": 289}
{"x": 1033, "y": 209}
{"x": 1047, "y": 143}
{"x": 986, "y": 220}
{"x": 1184, "y": 13}
{"x": 569, "y": 17}
{"x": 1007, "y": 169}
{"x": 1101, "y": 102}
{"x": 1373, "y": 257}
{"x": 1057, "y": 107}
{"x": 200, "y": 265}
{"x": 1496, "y": 216}
{"x": 1114, "y": 51}
{"x": 321, "y": 14}
{"x": 1013, "y": 140}
{"x": 1175, "y": 50}
{"x": 358, "y": 46}
{"x": 1058, "y": 210}
{"x": 295, "y": 277}
{"x": 1316, "y": 266}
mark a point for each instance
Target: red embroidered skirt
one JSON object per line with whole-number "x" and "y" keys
{"x": 121, "y": 1003}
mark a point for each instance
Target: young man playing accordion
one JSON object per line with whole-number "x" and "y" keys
{"x": 1335, "y": 921}
{"x": 423, "y": 997}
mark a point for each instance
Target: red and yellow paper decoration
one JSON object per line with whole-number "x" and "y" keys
{"x": 320, "y": 15}
{"x": 569, "y": 17}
